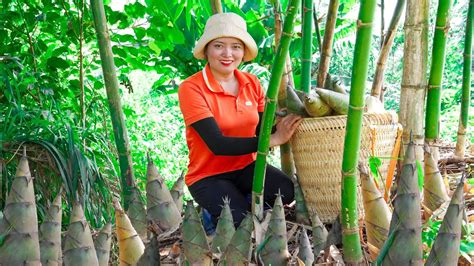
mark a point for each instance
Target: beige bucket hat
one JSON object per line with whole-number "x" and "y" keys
{"x": 226, "y": 25}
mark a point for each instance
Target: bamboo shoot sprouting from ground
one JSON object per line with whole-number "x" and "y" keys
{"x": 224, "y": 230}
{"x": 78, "y": 244}
{"x": 466, "y": 85}
{"x": 320, "y": 236}
{"x": 50, "y": 234}
{"x": 239, "y": 250}
{"x": 349, "y": 215}
{"x": 131, "y": 247}
{"x": 413, "y": 87}
{"x": 377, "y": 214}
{"x": 405, "y": 247}
{"x": 137, "y": 213}
{"x": 177, "y": 192}
{"x": 433, "y": 100}
{"x": 102, "y": 244}
{"x": 305, "y": 252}
{"x": 301, "y": 210}
{"x": 195, "y": 246}
{"x": 20, "y": 223}
{"x": 270, "y": 108}
{"x": 161, "y": 208}
{"x": 307, "y": 40}
{"x": 445, "y": 250}
{"x": 434, "y": 189}
{"x": 326, "y": 51}
{"x": 151, "y": 255}
{"x": 113, "y": 97}
{"x": 275, "y": 247}
{"x": 386, "y": 47}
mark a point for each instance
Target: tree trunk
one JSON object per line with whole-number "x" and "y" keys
{"x": 433, "y": 102}
{"x": 350, "y": 222}
{"x": 270, "y": 107}
{"x": 386, "y": 47}
{"x": 466, "y": 85}
{"x": 216, "y": 6}
{"x": 413, "y": 87}
{"x": 113, "y": 97}
{"x": 326, "y": 52}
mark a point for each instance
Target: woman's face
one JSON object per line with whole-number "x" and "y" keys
{"x": 225, "y": 54}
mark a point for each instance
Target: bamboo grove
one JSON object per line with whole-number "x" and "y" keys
{"x": 144, "y": 214}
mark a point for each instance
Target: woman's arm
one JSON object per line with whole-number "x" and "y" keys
{"x": 219, "y": 144}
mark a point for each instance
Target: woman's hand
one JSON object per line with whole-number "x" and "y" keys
{"x": 285, "y": 129}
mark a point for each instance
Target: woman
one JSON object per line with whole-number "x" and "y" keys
{"x": 222, "y": 109}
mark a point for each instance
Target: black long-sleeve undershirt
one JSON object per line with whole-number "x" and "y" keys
{"x": 219, "y": 144}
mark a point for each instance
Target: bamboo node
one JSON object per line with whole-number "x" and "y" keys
{"x": 434, "y": 87}
{"x": 351, "y": 172}
{"x": 270, "y": 100}
{"x": 350, "y": 231}
{"x": 413, "y": 27}
{"x": 467, "y": 55}
{"x": 287, "y": 34}
{"x": 262, "y": 153}
{"x": 414, "y": 87}
{"x": 305, "y": 9}
{"x": 358, "y": 108}
{"x": 361, "y": 24}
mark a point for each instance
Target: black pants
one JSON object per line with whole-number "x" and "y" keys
{"x": 237, "y": 185}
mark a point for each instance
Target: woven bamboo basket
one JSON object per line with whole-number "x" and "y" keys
{"x": 318, "y": 146}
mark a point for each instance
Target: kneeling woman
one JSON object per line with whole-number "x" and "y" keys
{"x": 222, "y": 109}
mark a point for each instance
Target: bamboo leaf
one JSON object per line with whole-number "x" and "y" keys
{"x": 421, "y": 178}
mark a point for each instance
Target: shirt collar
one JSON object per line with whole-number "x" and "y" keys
{"x": 214, "y": 86}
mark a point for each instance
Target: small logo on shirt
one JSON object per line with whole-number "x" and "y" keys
{"x": 248, "y": 103}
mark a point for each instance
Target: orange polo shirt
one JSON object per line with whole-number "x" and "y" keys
{"x": 201, "y": 96}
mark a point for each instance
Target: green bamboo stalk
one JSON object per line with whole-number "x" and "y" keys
{"x": 50, "y": 234}
{"x": 445, "y": 250}
{"x": 349, "y": 215}
{"x": 433, "y": 102}
{"x": 286, "y": 156}
{"x": 270, "y": 107}
{"x": 326, "y": 51}
{"x": 386, "y": 47}
{"x": 307, "y": 39}
{"x": 113, "y": 97}
{"x": 466, "y": 85}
